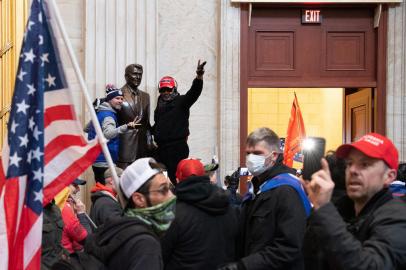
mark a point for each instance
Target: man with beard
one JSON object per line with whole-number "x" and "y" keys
{"x": 132, "y": 242}
{"x": 107, "y": 116}
{"x": 135, "y": 143}
{"x": 366, "y": 228}
{"x": 171, "y": 117}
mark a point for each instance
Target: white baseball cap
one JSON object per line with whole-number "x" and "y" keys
{"x": 135, "y": 175}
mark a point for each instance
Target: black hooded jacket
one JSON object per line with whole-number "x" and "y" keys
{"x": 104, "y": 207}
{"x": 202, "y": 236}
{"x": 336, "y": 238}
{"x": 172, "y": 117}
{"x": 125, "y": 243}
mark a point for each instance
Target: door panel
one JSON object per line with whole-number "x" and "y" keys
{"x": 358, "y": 114}
{"x": 340, "y": 51}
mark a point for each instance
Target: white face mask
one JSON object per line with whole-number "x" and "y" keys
{"x": 256, "y": 164}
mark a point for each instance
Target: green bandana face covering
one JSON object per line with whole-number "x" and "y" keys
{"x": 159, "y": 216}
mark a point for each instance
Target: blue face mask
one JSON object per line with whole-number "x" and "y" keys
{"x": 256, "y": 164}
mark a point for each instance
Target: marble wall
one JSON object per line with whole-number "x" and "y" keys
{"x": 168, "y": 37}
{"x": 396, "y": 74}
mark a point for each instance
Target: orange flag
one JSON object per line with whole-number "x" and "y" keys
{"x": 295, "y": 134}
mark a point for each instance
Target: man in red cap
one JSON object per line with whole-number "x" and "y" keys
{"x": 367, "y": 229}
{"x": 203, "y": 234}
{"x": 171, "y": 116}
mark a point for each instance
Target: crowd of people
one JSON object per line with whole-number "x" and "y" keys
{"x": 175, "y": 215}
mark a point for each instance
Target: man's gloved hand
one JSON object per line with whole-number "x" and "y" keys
{"x": 200, "y": 69}
{"x": 235, "y": 178}
{"x": 232, "y": 266}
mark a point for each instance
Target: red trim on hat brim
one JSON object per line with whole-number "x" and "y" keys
{"x": 344, "y": 150}
{"x": 166, "y": 85}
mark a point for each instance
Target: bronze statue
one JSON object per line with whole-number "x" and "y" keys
{"x": 135, "y": 143}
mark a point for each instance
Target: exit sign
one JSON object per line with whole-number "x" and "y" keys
{"x": 311, "y": 16}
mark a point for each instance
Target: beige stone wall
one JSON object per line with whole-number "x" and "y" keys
{"x": 396, "y": 78}
{"x": 168, "y": 37}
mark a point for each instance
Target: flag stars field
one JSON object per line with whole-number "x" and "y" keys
{"x": 14, "y": 125}
{"x": 21, "y": 75}
{"x": 30, "y": 56}
{"x": 15, "y": 159}
{"x": 22, "y": 107}
{"x": 31, "y": 89}
{"x": 24, "y": 140}
{"x": 44, "y": 58}
{"x": 36, "y": 133}
{"x": 50, "y": 80}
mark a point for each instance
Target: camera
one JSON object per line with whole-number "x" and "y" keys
{"x": 244, "y": 171}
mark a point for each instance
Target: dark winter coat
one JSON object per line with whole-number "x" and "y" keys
{"x": 272, "y": 227}
{"x": 172, "y": 118}
{"x": 203, "y": 234}
{"x": 126, "y": 244}
{"x": 375, "y": 239}
{"x": 52, "y": 227}
{"x": 104, "y": 207}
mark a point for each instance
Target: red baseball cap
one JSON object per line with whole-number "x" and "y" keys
{"x": 375, "y": 146}
{"x": 167, "y": 82}
{"x": 189, "y": 167}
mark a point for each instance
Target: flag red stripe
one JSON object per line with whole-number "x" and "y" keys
{"x": 36, "y": 260}
{"x": 17, "y": 253}
{"x": 60, "y": 112}
{"x": 11, "y": 197}
{"x": 60, "y": 143}
{"x": 70, "y": 173}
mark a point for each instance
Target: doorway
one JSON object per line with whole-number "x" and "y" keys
{"x": 344, "y": 51}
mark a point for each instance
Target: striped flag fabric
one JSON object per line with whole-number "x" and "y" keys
{"x": 295, "y": 134}
{"x": 45, "y": 149}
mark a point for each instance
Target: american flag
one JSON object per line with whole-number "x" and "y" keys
{"x": 45, "y": 150}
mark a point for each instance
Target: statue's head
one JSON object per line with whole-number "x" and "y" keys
{"x": 133, "y": 75}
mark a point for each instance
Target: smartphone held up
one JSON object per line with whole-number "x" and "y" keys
{"x": 313, "y": 149}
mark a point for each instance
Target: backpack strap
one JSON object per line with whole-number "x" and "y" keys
{"x": 288, "y": 180}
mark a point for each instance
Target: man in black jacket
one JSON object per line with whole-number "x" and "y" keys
{"x": 105, "y": 204}
{"x": 273, "y": 218}
{"x": 131, "y": 242}
{"x": 204, "y": 231}
{"x": 367, "y": 229}
{"x": 171, "y": 116}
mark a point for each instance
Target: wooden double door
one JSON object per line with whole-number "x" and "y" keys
{"x": 346, "y": 50}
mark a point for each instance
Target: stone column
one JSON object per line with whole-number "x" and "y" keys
{"x": 119, "y": 33}
{"x": 396, "y": 74}
{"x": 229, "y": 117}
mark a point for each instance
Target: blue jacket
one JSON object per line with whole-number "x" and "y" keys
{"x": 112, "y": 143}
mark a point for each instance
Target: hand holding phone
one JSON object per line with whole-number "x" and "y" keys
{"x": 313, "y": 151}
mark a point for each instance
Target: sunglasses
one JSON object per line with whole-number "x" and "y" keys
{"x": 163, "y": 190}
{"x": 165, "y": 90}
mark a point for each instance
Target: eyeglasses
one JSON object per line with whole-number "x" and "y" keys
{"x": 163, "y": 190}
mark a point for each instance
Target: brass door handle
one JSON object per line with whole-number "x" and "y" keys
{"x": 6, "y": 47}
{"x": 4, "y": 111}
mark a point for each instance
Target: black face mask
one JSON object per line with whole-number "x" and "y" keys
{"x": 169, "y": 96}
